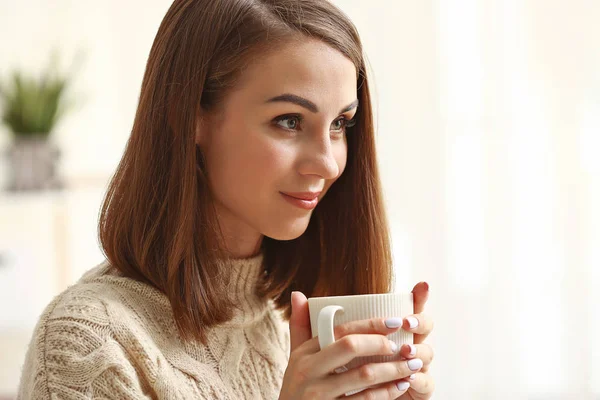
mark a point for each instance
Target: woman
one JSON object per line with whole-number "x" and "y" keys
{"x": 251, "y": 113}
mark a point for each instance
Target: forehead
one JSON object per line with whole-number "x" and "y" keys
{"x": 311, "y": 69}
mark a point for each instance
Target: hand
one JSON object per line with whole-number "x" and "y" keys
{"x": 309, "y": 374}
{"x": 422, "y": 387}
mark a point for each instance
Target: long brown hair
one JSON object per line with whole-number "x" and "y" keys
{"x": 157, "y": 221}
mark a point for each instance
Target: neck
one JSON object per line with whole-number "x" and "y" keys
{"x": 239, "y": 249}
{"x": 240, "y": 239}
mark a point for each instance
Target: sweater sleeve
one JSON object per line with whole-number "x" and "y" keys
{"x": 73, "y": 355}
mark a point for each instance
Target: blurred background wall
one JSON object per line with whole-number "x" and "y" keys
{"x": 488, "y": 115}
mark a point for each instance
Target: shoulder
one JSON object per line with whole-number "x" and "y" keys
{"x": 73, "y": 351}
{"x": 101, "y": 299}
{"x": 79, "y": 312}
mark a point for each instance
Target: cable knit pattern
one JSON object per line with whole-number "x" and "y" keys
{"x": 112, "y": 337}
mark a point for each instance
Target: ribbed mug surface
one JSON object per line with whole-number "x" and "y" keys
{"x": 366, "y": 306}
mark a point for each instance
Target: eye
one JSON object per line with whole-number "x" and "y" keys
{"x": 294, "y": 121}
{"x": 289, "y": 122}
{"x": 341, "y": 124}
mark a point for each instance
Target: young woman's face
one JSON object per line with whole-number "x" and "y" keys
{"x": 281, "y": 130}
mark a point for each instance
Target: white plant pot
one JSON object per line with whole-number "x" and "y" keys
{"x": 32, "y": 162}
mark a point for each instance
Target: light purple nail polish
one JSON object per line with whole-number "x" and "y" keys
{"x": 412, "y": 322}
{"x": 413, "y": 349}
{"x": 415, "y": 364}
{"x": 402, "y": 385}
{"x": 393, "y": 322}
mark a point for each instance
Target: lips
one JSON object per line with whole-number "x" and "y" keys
{"x": 304, "y": 200}
{"x": 303, "y": 195}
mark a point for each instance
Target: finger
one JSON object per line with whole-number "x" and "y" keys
{"x": 372, "y": 326}
{"x": 420, "y": 295}
{"x": 299, "y": 323}
{"x": 370, "y": 375}
{"x": 391, "y": 390}
{"x": 347, "y": 348}
{"x": 421, "y": 324}
{"x": 422, "y": 386}
{"x": 422, "y": 351}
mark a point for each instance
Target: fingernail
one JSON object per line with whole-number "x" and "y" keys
{"x": 412, "y": 322}
{"x": 415, "y": 364}
{"x": 426, "y": 285}
{"x": 402, "y": 386}
{"x": 393, "y": 322}
{"x": 412, "y": 377}
{"x": 394, "y": 346}
{"x": 413, "y": 350}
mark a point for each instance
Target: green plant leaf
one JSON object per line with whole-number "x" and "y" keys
{"x": 34, "y": 106}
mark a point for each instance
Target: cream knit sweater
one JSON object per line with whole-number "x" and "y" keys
{"x": 111, "y": 337}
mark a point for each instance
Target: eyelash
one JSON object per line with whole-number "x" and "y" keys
{"x": 347, "y": 123}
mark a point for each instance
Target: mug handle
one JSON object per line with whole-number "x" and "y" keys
{"x": 325, "y": 325}
{"x": 326, "y": 336}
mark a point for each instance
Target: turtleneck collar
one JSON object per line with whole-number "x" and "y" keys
{"x": 243, "y": 276}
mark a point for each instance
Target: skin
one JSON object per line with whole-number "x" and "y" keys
{"x": 308, "y": 374}
{"x": 251, "y": 158}
{"x": 252, "y": 154}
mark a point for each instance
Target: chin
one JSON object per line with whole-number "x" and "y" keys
{"x": 288, "y": 231}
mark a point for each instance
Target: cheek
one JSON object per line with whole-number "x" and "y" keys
{"x": 268, "y": 162}
{"x": 250, "y": 165}
{"x": 274, "y": 158}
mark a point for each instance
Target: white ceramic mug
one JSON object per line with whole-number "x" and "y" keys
{"x": 328, "y": 312}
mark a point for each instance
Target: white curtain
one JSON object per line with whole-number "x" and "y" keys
{"x": 489, "y": 138}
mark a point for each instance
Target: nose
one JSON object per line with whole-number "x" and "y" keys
{"x": 319, "y": 157}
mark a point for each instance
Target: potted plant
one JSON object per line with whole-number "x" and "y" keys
{"x": 31, "y": 109}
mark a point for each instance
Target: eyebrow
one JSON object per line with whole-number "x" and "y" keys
{"x": 309, "y": 105}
